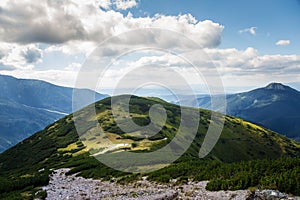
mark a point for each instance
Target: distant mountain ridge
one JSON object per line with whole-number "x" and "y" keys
{"x": 275, "y": 106}
{"x": 27, "y": 106}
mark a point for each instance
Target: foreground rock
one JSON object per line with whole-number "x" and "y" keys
{"x": 72, "y": 187}
{"x": 270, "y": 195}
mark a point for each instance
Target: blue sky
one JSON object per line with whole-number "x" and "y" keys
{"x": 251, "y": 43}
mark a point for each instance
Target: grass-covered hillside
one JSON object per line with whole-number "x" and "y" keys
{"x": 26, "y": 166}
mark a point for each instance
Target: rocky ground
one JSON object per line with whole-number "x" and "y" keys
{"x": 77, "y": 188}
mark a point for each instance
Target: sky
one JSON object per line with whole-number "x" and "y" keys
{"x": 240, "y": 44}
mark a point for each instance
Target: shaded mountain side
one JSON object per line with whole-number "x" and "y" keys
{"x": 18, "y": 122}
{"x": 276, "y": 107}
{"x": 27, "y": 106}
{"x": 58, "y": 145}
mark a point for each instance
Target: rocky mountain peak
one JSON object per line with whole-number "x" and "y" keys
{"x": 277, "y": 86}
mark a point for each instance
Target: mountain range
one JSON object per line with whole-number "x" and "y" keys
{"x": 27, "y": 106}
{"x": 27, "y": 166}
{"x": 276, "y": 107}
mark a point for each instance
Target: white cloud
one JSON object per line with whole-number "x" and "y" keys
{"x": 73, "y": 47}
{"x": 106, "y": 4}
{"x": 32, "y": 54}
{"x": 58, "y": 77}
{"x": 235, "y": 66}
{"x": 75, "y": 27}
{"x": 251, "y": 30}
{"x": 125, "y": 4}
{"x": 73, "y": 67}
{"x": 283, "y": 42}
{"x": 20, "y": 56}
{"x": 249, "y": 62}
{"x": 117, "y": 4}
{"x": 45, "y": 22}
{"x": 205, "y": 33}
{"x": 65, "y": 22}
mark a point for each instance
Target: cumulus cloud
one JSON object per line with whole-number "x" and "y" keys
{"x": 231, "y": 62}
{"x": 283, "y": 42}
{"x": 32, "y": 55}
{"x": 251, "y": 30}
{"x": 45, "y": 22}
{"x": 76, "y": 27}
{"x": 18, "y": 56}
{"x": 117, "y": 4}
{"x": 73, "y": 47}
{"x": 73, "y": 67}
{"x": 59, "y": 22}
{"x": 249, "y": 62}
{"x": 125, "y": 4}
{"x": 105, "y": 4}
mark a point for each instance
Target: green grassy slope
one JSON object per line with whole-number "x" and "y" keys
{"x": 58, "y": 145}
